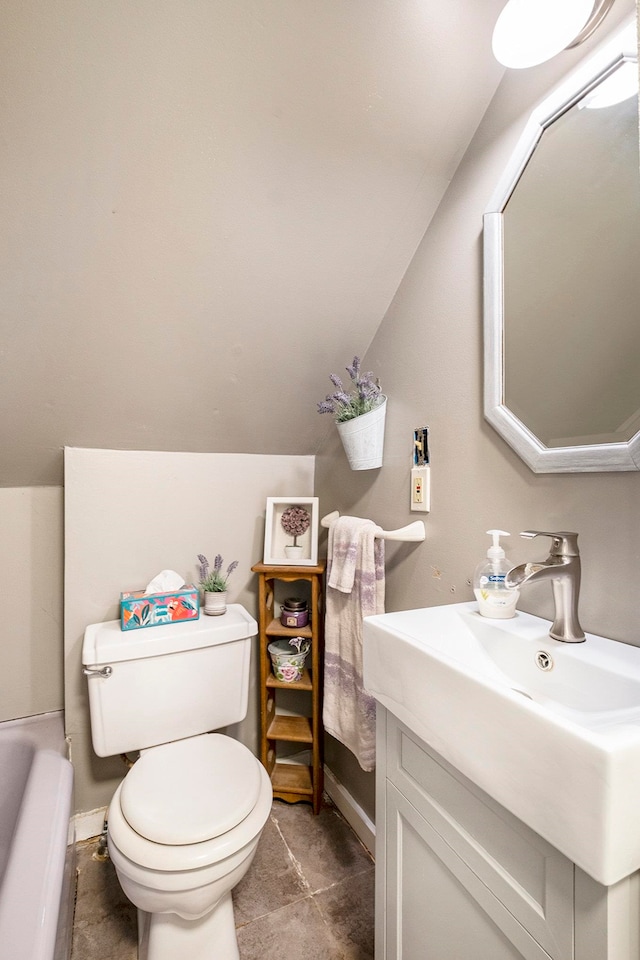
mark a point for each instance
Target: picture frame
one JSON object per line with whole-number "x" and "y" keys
{"x": 278, "y": 543}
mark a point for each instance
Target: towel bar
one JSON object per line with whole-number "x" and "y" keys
{"x": 413, "y": 532}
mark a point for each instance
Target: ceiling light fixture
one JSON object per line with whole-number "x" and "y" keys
{"x": 529, "y": 32}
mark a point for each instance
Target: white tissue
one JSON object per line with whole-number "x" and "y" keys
{"x": 165, "y": 582}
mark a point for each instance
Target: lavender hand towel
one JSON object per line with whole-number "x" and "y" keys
{"x": 355, "y": 589}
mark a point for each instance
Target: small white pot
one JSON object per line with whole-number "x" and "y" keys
{"x": 215, "y": 603}
{"x": 293, "y": 553}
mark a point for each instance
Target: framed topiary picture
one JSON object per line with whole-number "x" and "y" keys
{"x": 291, "y": 531}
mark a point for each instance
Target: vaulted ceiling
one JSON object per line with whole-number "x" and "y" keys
{"x": 208, "y": 206}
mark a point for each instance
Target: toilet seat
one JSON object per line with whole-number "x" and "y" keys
{"x": 157, "y": 856}
{"x": 190, "y": 791}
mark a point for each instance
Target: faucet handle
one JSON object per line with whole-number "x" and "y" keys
{"x": 565, "y": 543}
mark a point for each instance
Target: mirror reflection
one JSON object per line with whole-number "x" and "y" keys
{"x": 572, "y": 278}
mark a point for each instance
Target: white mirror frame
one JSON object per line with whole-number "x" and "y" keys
{"x": 540, "y": 458}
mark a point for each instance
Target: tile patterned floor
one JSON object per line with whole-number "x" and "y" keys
{"x": 309, "y": 889}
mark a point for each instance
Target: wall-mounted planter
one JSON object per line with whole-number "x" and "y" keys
{"x": 363, "y": 438}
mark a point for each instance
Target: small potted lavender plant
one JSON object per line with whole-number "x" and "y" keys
{"x": 214, "y": 584}
{"x": 295, "y": 521}
{"x": 359, "y": 415}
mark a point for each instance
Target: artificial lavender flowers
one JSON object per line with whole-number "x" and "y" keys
{"x": 213, "y": 580}
{"x": 365, "y": 394}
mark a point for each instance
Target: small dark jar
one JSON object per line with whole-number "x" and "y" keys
{"x": 294, "y": 613}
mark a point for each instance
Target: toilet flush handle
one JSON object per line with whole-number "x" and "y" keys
{"x": 95, "y": 672}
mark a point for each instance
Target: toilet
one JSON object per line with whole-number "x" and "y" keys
{"x": 184, "y": 824}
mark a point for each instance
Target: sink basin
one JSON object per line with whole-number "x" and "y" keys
{"x": 550, "y": 730}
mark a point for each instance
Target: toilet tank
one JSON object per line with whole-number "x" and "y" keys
{"x": 167, "y": 682}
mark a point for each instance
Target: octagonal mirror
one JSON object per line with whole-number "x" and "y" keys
{"x": 562, "y": 275}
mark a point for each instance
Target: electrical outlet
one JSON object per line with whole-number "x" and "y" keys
{"x": 420, "y": 490}
{"x": 418, "y": 487}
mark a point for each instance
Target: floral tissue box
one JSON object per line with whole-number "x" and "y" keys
{"x": 139, "y": 609}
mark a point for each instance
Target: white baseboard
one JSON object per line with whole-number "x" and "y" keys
{"x": 89, "y": 824}
{"x": 351, "y": 810}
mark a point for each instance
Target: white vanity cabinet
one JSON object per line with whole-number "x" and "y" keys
{"x": 461, "y": 878}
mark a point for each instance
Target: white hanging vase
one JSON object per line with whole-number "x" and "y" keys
{"x": 363, "y": 438}
{"x": 215, "y": 603}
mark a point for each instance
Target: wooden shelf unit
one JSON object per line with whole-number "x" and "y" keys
{"x": 291, "y": 781}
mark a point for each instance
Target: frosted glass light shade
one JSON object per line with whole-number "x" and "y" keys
{"x": 528, "y": 32}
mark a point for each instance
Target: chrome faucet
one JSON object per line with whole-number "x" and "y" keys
{"x": 562, "y": 567}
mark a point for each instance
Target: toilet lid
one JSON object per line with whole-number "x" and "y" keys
{"x": 191, "y": 790}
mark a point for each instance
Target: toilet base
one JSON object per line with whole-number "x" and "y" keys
{"x": 166, "y": 936}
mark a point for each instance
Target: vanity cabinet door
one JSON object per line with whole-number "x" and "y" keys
{"x": 471, "y": 881}
{"x": 437, "y": 908}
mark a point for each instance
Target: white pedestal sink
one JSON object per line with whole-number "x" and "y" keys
{"x": 558, "y": 747}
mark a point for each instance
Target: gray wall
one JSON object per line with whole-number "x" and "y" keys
{"x": 428, "y": 354}
{"x": 198, "y": 199}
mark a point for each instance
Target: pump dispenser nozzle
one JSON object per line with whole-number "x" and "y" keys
{"x": 496, "y": 552}
{"x": 494, "y": 598}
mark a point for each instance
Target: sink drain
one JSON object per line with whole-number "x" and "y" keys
{"x": 544, "y": 660}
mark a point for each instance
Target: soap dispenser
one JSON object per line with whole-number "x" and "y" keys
{"x": 495, "y": 599}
